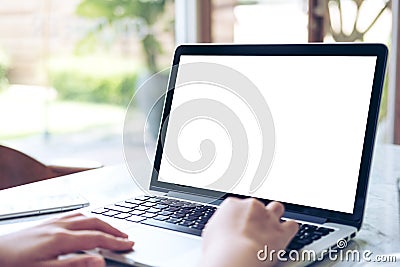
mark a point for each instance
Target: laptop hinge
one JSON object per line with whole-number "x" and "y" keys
{"x": 197, "y": 198}
{"x": 304, "y": 217}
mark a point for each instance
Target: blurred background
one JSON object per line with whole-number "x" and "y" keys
{"x": 68, "y": 69}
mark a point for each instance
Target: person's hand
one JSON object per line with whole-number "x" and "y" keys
{"x": 42, "y": 244}
{"x": 241, "y": 228}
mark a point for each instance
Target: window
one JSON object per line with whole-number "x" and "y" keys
{"x": 301, "y": 21}
{"x": 68, "y": 69}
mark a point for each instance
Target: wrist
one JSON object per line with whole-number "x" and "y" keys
{"x": 239, "y": 253}
{"x": 4, "y": 258}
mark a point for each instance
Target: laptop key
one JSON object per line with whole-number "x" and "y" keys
{"x": 173, "y": 220}
{"x": 176, "y": 204}
{"x": 99, "y": 211}
{"x": 160, "y": 206}
{"x": 149, "y": 215}
{"x": 185, "y": 223}
{"x": 119, "y": 208}
{"x": 110, "y": 213}
{"x": 197, "y": 226}
{"x": 165, "y": 213}
{"x": 325, "y": 230}
{"x": 202, "y": 225}
{"x": 155, "y": 200}
{"x": 134, "y": 201}
{"x": 142, "y": 197}
{"x": 153, "y": 210}
{"x": 122, "y": 215}
{"x": 190, "y": 217}
{"x": 167, "y": 201}
{"x": 149, "y": 204}
{"x": 197, "y": 214}
{"x": 126, "y": 204}
{"x": 200, "y": 209}
{"x": 135, "y": 218}
{"x": 171, "y": 226}
{"x": 203, "y": 220}
{"x": 141, "y": 208}
{"x": 208, "y": 215}
{"x": 172, "y": 209}
{"x": 178, "y": 215}
{"x": 312, "y": 227}
{"x": 187, "y": 208}
{"x": 161, "y": 218}
{"x": 191, "y": 205}
{"x": 137, "y": 212}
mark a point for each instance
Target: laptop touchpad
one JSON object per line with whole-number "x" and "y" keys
{"x": 156, "y": 247}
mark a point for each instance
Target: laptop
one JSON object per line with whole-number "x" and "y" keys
{"x": 289, "y": 123}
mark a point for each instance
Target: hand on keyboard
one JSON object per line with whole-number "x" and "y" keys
{"x": 240, "y": 228}
{"x": 42, "y": 244}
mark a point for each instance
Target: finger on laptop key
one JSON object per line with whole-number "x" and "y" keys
{"x": 93, "y": 239}
{"x": 93, "y": 223}
{"x": 277, "y": 208}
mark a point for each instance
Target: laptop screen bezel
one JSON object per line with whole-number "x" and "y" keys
{"x": 349, "y": 49}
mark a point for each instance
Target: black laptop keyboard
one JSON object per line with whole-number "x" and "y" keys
{"x": 168, "y": 213}
{"x": 188, "y": 217}
{"x": 307, "y": 234}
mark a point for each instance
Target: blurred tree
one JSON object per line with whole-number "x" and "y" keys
{"x": 334, "y": 11}
{"x": 131, "y": 15}
{"x": 339, "y": 35}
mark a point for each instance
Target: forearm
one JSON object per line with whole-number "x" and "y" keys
{"x": 6, "y": 255}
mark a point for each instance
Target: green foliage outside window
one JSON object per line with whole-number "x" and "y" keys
{"x": 94, "y": 79}
{"x": 138, "y": 17}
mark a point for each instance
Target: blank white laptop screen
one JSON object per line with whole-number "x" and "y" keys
{"x": 319, "y": 106}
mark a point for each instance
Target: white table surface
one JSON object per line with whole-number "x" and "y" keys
{"x": 379, "y": 233}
